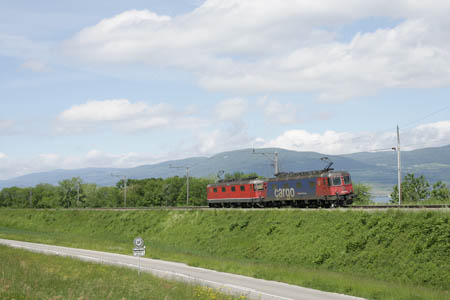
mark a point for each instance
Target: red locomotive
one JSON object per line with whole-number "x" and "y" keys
{"x": 322, "y": 188}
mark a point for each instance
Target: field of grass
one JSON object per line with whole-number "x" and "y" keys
{"x": 28, "y": 275}
{"x": 377, "y": 255}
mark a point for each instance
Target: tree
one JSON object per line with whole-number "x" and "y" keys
{"x": 45, "y": 196}
{"x": 14, "y": 197}
{"x": 362, "y": 192}
{"x": 440, "y": 192}
{"x": 414, "y": 189}
{"x": 107, "y": 196}
{"x": 197, "y": 191}
{"x": 171, "y": 188}
{"x": 70, "y": 192}
{"x": 153, "y": 192}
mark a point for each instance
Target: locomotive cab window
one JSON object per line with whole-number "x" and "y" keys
{"x": 347, "y": 179}
{"x": 259, "y": 187}
{"x": 336, "y": 180}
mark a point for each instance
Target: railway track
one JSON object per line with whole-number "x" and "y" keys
{"x": 428, "y": 206}
{"x": 363, "y": 207}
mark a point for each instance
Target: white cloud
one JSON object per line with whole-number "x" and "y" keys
{"x": 432, "y": 134}
{"x": 231, "y": 109}
{"x": 292, "y": 45}
{"x": 332, "y": 142}
{"x": 107, "y": 110}
{"x": 3, "y": 155}
{"x": 329, "y": 142}
{"x": 124, "y": 115}
{"x": 410, "y": 55}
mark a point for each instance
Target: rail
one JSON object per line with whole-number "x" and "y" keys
{"x": 364, "y": 207}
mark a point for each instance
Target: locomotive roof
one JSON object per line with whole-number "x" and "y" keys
{"x": 236, "y": 182}
{"x": 307, "y": 174}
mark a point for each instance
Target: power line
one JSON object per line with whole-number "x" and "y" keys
{"x": 408, "y": 125}
{"x": 427, "y": 143}
{"x": 405, "y": 126}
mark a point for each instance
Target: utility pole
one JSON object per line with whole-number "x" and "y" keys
{"x": 273, "y": 156}
{"x": 399, "y": 168}
{"x": 124, "y": 177}
{"x": 187, "y": 180}
{"x": 78, "y": 193}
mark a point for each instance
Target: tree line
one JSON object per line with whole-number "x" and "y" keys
{"x": 151, "y": 192}
{"x": 73, "y": 193}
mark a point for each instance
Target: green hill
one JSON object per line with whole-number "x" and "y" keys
{"x": 403, "y": 249}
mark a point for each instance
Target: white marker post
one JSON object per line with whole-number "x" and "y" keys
{"x": 139, "y": 250}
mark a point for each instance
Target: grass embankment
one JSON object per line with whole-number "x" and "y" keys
{"x": 28, "y": 275}
{"x": 377, "y": 255}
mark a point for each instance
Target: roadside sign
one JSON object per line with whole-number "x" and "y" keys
{"x": 138, "y": 242}
{"x": 139, "y": 251}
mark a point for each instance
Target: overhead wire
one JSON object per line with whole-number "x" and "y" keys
{"x": 409, "y": 124}
{"x": 403, "y": 127}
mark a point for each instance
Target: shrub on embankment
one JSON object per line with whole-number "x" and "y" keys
{"x": 399, "y": 246}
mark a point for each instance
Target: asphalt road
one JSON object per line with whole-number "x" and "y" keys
{"x": 229, "y": 283}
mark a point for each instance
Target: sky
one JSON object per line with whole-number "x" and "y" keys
{"x": 126, "y": 83}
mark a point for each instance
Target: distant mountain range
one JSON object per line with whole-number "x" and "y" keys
{"x": 378, "y": 169}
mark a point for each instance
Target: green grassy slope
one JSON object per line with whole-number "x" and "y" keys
{"x": 409, "y": 248}
{"x": 27, "y": 275}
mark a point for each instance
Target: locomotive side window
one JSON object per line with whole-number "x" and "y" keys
{"x": 347, "y": 179}
{"x": 298, "y": 184}
{"x": 223, "y": 189}
{"x": 242, "y": 188}
{"x": 274, "y": 186}
{"x": 215, "y": 190}
{"x": 311, "y": 184}
{"x": 233, "y": 189}
{"x": 336, "y": 180}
